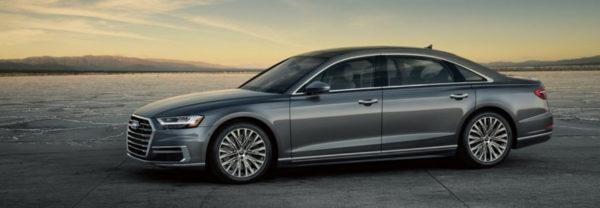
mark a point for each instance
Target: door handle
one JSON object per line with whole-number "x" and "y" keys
{"x": 367, "y": 102}
{"x": 459, "y": 96}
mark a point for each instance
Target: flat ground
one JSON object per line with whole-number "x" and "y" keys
{"x": 62, "y": 145}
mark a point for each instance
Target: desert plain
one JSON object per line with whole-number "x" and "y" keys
{"x": 62, "y": 143}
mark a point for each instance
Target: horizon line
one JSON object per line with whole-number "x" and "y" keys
{"x": 225, "y": 65}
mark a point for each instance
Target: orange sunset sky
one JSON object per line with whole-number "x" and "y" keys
{"x": 255, "y": 33}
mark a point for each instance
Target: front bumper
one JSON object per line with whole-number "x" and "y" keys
{"x": 168, "y": 147}
{"x": 167, "y": 164}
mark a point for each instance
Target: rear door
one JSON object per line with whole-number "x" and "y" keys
{"x": 346, "y": 122}
{"x": 424, "y": 103}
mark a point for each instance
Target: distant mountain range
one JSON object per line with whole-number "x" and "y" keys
{"x": 585, "y": 61}
{"x": 49, "y": 64}
{"x": 82, "y": 64}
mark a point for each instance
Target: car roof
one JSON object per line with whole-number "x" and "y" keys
{"x": 329, "y": 53}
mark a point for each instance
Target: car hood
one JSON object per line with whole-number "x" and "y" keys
{"x": 208, "y": 99}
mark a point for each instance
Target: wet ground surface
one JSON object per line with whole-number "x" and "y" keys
{"x": 62, "y": 145}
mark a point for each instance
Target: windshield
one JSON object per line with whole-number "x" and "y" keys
{"x": 280, "y": 77}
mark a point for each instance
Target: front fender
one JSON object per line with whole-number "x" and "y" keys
{"x": 274, "y": 115}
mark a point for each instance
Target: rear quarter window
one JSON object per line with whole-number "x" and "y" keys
{"x": 468, "y": 75}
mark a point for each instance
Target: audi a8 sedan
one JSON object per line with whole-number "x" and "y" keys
{"x": 345, "y": 105}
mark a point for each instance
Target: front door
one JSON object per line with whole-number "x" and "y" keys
{"x": 344, "y": 123}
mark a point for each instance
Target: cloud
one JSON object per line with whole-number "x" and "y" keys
{"x": 76, "y": 26}
{"x": 65, "y": 11}
{"x": 95, "y": 18}
{"x": 121, "y": 11}
{"x": 126, "y": 11}
{"x": 14, "y": 37}
{"x": 150, "y": 6}
{"x": 224, "y": 25}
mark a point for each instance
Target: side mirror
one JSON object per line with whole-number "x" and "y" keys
{"x": 317, "y": 87}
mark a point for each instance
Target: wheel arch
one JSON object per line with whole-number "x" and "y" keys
{"x": 496, "y": 109}
{"x": 250, "y": 119}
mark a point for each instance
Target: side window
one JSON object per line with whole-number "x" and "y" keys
{"x": 468, "y": 75}
{"x": 417, "y": 70}
{"x": 357, "y": 73}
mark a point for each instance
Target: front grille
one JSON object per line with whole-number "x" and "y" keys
{"x": 138, "y": 136}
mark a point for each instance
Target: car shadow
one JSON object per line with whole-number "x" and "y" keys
{"x": 174, "y": 175}
{"x": 186, "y": 176}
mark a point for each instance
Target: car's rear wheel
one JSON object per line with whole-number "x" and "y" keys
{"x": 486, "y": 140}
{"x": 241, "y": 153}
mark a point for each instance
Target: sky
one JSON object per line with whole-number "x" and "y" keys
{"x": 259, "y": 33}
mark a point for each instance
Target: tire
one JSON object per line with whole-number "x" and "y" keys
{"x": 241, "y": 160}
{"x": 486, "y": 140}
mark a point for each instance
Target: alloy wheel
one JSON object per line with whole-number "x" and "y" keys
{"x": 488, "y": 139}
{"x": 242, "y": 152}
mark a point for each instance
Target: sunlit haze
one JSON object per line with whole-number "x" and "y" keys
{"x": 257, "y": 34}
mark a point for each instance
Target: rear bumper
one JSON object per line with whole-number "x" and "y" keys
{"x": 534, "y": 130}
{"x": 533, "y": 139}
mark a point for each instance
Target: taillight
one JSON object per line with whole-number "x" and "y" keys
{"x": 541, "y": 93}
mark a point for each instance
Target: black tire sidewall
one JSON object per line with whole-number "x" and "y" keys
{"x": 215, "y": 164}
{"x": 465, "y": 143}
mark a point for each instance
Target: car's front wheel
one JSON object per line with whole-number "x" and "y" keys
{"x": 241, "y": 153}
{"x": 486, "y": 140}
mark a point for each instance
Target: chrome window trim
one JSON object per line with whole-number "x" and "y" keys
{"x": 488, "y": 79}
{"x": 375, "y": 153}
{"x": 348, "y": 90}
{"x": 403, "y": 86}
{"x": 434, "y": 84}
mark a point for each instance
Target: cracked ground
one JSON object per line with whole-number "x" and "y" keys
{"x": 62, "y": 145}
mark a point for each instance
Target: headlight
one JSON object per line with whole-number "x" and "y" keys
{"x": 179, "y": 122}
